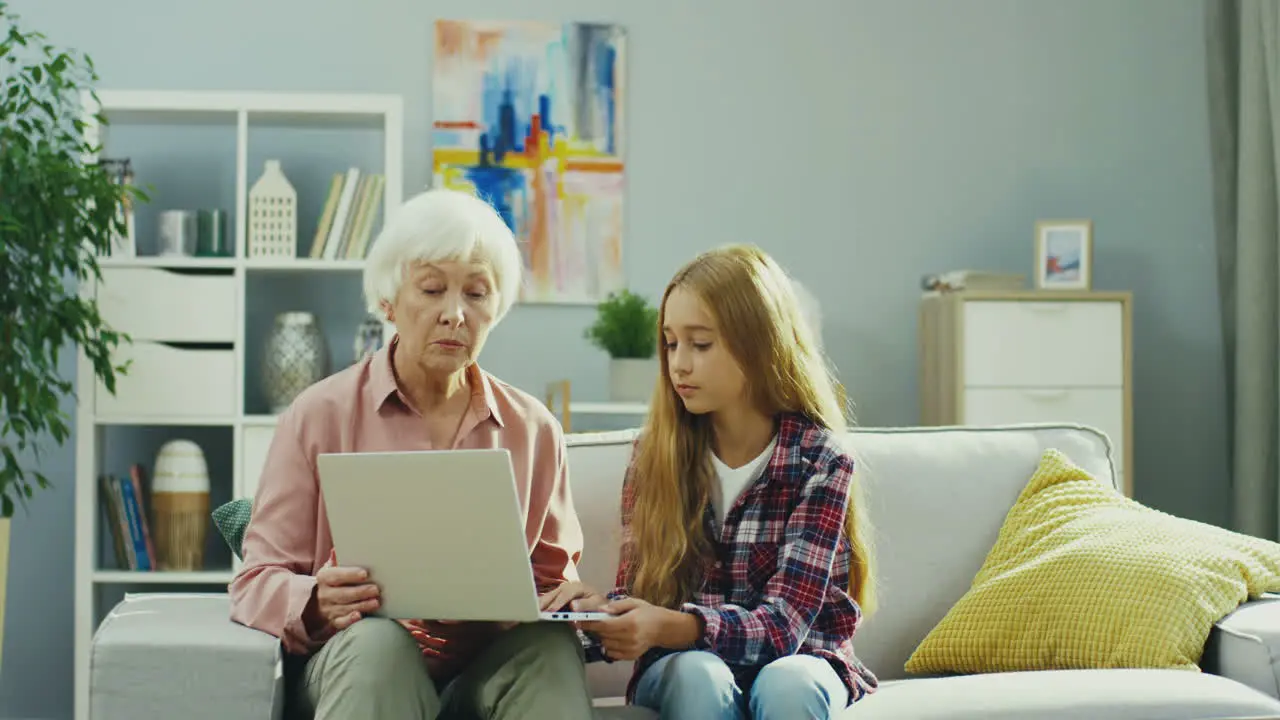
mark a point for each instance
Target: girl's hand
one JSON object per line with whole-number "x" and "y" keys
{"x": 636, "y": 627}
{"x": 579, "y": 594}
{"x": 433, "y": 647}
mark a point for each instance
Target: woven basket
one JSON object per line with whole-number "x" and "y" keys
{"x": 181, "y": 527}
{"x": 180, "y": 505}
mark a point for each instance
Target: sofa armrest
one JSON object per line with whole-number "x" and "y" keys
{"x": 1245, "y": 645}
{"x": 160, "y": 655}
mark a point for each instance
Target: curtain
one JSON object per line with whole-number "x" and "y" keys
{"x": 1243, "y": 74}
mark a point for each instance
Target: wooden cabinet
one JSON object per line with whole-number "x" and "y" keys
{"x": 998, "y": 358}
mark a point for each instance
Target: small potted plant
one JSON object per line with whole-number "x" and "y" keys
{"x": 626, "y": 327}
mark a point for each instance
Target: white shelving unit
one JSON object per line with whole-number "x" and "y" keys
{"x": 559, "y": 399}
{"x": 172, "y": 388}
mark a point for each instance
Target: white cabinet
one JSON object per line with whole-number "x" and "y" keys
{"x": 183, "y": 325}
{"x": 167, "y": 305}
{"x": 1032, "y": 357}
{"x": 170, "y": 383}
{"x": 1034, "y": 343}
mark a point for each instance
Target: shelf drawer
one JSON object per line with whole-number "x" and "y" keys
{"x": 170, "y": 382}
{"x": 160, "y": 304}
{"x": 1040, "y": 343}
{"x": 1101, "y": 408}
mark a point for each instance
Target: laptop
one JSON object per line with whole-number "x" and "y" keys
{"x": 440, "y": 531}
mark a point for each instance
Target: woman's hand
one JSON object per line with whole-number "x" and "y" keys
{"x": 639, "y": 626}
{"x": 343, "y": 596}
{"x": 582, "y": 597}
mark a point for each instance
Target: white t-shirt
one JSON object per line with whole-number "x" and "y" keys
{"x": 732, "y": 481}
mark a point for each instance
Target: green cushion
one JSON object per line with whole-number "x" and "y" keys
{"x": 231, "y": 520}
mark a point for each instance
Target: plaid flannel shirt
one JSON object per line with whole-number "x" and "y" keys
{"x": 778, "y": 584}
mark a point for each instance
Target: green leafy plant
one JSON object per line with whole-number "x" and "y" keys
{"x": 59, "y": 209}
{"x": 626, "y": 326}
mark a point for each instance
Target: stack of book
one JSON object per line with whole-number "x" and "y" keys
{"x": 960, "y": 280}
{"x": 346, "y": 224}
{"x": 126, "y": 516}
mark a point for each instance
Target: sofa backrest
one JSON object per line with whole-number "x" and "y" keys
{"x": 937, "y": 498}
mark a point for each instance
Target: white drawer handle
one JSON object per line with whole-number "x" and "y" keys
{"x": 1057, "y": 394}
{"x": 1045, "y": 307}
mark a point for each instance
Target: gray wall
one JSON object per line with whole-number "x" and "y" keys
{"x": 863, "y": 143}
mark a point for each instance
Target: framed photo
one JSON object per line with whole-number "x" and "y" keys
{"x": 1064, "y": 255}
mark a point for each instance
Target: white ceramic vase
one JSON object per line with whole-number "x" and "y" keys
{"x": 631, "y": 379}
{"x": 296, "y": 357}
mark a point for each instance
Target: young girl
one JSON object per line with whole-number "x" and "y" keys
{"x": 746, "y": 566}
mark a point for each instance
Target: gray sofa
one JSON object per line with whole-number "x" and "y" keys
{"x": 938, "y": 497}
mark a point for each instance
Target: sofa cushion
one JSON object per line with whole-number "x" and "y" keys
{"x": 1083, "y": 577}
{"x": 1245, "y": 646}
{"x": 624, "y": 712}
{"x": 180, "y": 656}
{"x": 1067, "y": 695}
{"x": 1049, "y": 695}
{"x": 937, "y": 498}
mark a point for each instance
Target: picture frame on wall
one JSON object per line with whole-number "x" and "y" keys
{"x": 1064, "y": 255}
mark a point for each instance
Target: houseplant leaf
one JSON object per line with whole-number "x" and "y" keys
{"x": 58, "y": 212}
{"x": 626, "y": 326}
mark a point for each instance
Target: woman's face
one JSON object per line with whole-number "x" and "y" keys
{"x": 700, "y": 367}
{"x": 443, "y": 313}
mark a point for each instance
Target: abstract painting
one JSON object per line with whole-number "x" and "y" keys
{"x": 529, "y": 116}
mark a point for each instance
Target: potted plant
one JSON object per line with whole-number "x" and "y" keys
{"x": 58, "y": 211}
{"x": 626, "y": 327}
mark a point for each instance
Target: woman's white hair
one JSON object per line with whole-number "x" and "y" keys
{"x": 442, "y": 225}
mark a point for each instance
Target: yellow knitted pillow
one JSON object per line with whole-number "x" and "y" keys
{"x": 1083, "y": 577}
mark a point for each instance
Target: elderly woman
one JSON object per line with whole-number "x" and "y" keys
{"x": 444, "y": 270}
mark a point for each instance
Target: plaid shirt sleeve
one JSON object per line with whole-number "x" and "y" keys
{"x": 591, "y": 648}
{"x": 793, "y": 596}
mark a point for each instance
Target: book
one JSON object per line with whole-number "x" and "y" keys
{"x": 956, "y": 280}
{"x": 124, "y": 510}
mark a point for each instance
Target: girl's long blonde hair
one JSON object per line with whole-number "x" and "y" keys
{"x": 759, "y": 318}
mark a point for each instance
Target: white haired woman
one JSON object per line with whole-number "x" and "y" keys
{"x": 444, "y": 270}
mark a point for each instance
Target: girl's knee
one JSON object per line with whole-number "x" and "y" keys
{"x": 698, "y": 666}
{"x": 693, "y": 684}
{"x": 784, "y": 676}
{"x": 790, "y": 687}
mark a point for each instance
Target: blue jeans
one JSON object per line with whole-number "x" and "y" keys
{"x": 698, "y": 685}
